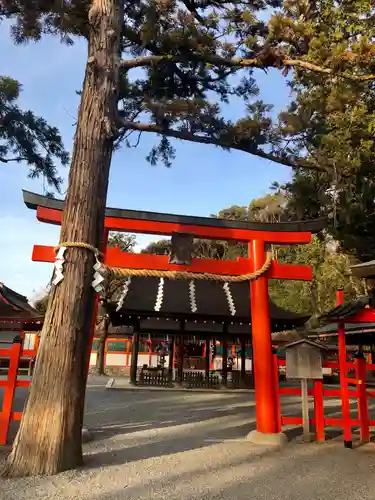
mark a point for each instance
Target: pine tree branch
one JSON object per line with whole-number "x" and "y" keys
{"x": 8, "y": 160}
{"x": 271, "y": 60}
{"x": 188, "y": 136}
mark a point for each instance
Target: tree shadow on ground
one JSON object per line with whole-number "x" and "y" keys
{"x": 308, "y": 472}
{"x": 186, "y": 441}
{"x": 298, "y": 471}
{"x": 189, "y": 439}
{"x": 171, "y": 419}
{"x": 175, "y": 479}
{"x": 193, "y": 413}
{"x": 171, "y": 410}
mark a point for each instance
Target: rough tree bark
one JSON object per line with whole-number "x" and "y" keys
{"x": 50, "y": 436}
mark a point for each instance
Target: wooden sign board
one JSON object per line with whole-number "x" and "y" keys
{"x": 303, "y": 360}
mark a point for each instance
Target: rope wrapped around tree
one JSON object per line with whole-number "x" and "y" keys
{"x": 118, "y": 272}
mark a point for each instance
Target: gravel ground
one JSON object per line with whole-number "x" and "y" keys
{"x": 190, "y": 446}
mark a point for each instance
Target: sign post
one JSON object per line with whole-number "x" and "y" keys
{"x": 304, "y": 363}
{"x": 305, "y": 410}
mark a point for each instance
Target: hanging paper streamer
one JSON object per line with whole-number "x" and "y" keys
{"x": 193, "y": 301}
{"x": 228, "y": 294}
{"x": 124, "y": 293}
{"x": 160, "y": 295}
{"x": 98, "y": 278}
{"x": 59, "y": 266}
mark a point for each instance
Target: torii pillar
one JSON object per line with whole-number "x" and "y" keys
{"x": 266, "y": 401}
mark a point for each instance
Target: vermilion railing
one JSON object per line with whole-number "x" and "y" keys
{"x": 318, "y": 392}
{"x": 14, "y": 354}
{"x": 361, "y": 392}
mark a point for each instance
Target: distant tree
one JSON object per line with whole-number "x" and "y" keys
{"x": 158, "y": 247}
{"x": 202, "y": 248}
{"x": 349, "y": 205}
{"x": 27, "y": 138}
{"x": 41, "y": 304}
{"x": 331, "y": 271}
{"x": 268, "y": 208}
{"x": 332, "y": 120}
{"x": 124, "y": 241}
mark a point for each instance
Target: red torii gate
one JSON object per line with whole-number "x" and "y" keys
{"x": 257, "y": 235}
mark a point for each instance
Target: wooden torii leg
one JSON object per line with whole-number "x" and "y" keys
{"x": 207, "y": 360}
{"x": 265, "y": 391}
{"x": 243, "y": 360}
{"x": 180, "y": 358}
{"x": 225, "y": 362}
{"x": 171, "y": 358}
{"x": 134, "y": 360}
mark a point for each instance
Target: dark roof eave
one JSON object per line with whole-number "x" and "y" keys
{"x": 364, "y": 270}
{"x": 348, "y": 310}
{"x": 33, "y": 200}
{"x": 136, "y": 314}
{"x": 16, "y": 305}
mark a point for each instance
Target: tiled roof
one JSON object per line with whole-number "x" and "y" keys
{"x": 196, "y": 300}
{"x": 343, "y": 311}
{"x": 15, "y": 306}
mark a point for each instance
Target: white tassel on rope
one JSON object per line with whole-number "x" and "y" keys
{"x": 193, "y": 300}
{"x": 160, "y": 295}
{"x": 228, "y": 294}
{"x": 124, "y": 293}
{"x": 59, "y": 266}
{"x": 98, "y": 277}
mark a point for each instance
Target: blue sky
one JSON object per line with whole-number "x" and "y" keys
{"x": 202, "y": 180}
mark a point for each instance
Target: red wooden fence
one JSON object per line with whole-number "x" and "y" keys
{"x": 11, "y": 384}
{"x": 360, "y": 391}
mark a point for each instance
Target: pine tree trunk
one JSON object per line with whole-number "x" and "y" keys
{"x": 50, "y": 436}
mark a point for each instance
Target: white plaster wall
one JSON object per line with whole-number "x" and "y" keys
{"x": 29, "y": 341}
{"x": 115, "y": 359}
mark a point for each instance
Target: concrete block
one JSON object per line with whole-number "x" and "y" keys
{"x": 277, "y": 441}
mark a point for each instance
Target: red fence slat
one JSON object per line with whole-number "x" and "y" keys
{"x": 6, "y": 413}
{"x": 15, "y": 354}
{"x": 319, "y": 410}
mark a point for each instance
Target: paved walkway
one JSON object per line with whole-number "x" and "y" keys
{"x": 192, "y": 446}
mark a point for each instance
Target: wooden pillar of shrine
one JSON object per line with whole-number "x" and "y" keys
{"x": 180, "y": 354}
{"x": 224, "y": 365}
{"x": 208, "y": 358}
{"x": 243, "y": 358}
{"x": 171, "y": 358}
{"x": 265, "y": 395}
{"x": 134, "y": 360}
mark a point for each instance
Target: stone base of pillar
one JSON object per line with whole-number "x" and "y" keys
{"x": 277, "y": 441}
